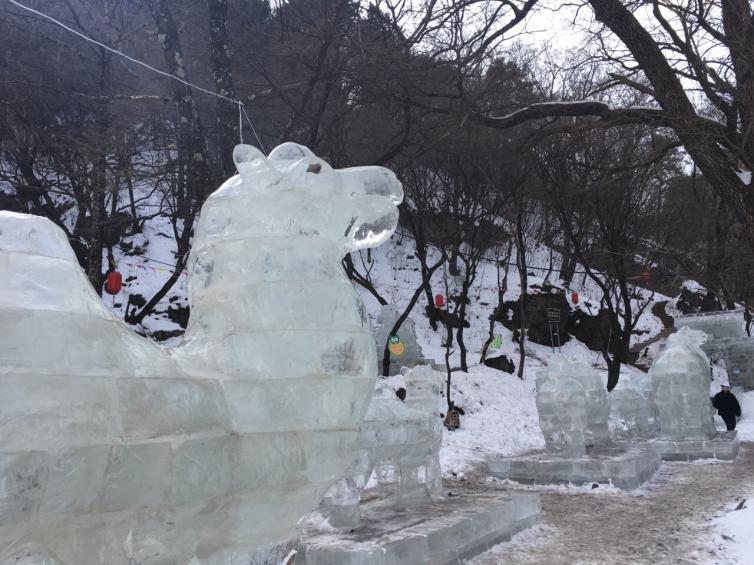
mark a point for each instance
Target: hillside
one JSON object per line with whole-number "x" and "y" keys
{"x": 500, "y": 414}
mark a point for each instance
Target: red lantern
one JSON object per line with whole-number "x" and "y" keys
{"x": 646, "y": 276}
{"x": 113, "y": 283}
{"x": 575, "y": 297}
{"x": 439, "y": 300}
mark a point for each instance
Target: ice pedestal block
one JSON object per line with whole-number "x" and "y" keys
{"x": 449, "y": 532}
{"x": 624, "y": 467}
{"x": 116, "y": 451}
{"x": 400, "y": 444}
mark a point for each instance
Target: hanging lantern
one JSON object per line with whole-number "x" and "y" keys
{"x": 575, "y": 297}
{"x": 113, "y": 283}
{"x": 439, "y": 300}
{"x": 646, "y": 275}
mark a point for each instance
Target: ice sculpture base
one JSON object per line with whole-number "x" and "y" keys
{"x": 442, "y": 533}
{"x": 723, "y": 446}
{"x": 624, "y": 468}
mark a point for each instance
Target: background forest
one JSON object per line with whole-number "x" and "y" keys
{"x": 626, "y": 156}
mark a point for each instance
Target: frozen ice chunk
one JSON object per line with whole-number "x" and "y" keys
{"x": 117, "y": 451}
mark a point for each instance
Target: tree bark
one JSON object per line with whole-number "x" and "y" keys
{"x": 219, "y": 55}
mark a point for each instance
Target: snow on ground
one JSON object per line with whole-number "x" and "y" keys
{"x": 734, "y": 533}
{"x": 745, "y": 425}
{"x": 527, "y": 538}
{"x": 733, "y": 529}
{"x": 500, "y": 418}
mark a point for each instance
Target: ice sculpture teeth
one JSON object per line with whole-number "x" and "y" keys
{"x": 114, "y": 450}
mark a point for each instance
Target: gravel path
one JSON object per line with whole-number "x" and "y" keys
{"x": 667, "y": 522}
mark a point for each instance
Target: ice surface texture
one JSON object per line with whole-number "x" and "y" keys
{"x": 632, "y": 407}
{"x": 572, "y": 407}
{"x": 400, "y": 445}
{"x": 681, "y": 379}
{"x": 726, "y": 338}
{"x": 115, "y": 451}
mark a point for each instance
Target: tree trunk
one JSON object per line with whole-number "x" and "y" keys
{"x": 402, "y": 318}
{"x": 219, "y": 56}
{"x": 523, "y": 278}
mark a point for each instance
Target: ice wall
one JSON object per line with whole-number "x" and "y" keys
{"x": 572, "y": 407}
{"x": 113, "y": 450}
{"x": 726, "y": 337}
{"x": 681, "y": 376}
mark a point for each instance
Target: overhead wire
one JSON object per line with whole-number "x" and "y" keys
{"x": 85, "y": 37}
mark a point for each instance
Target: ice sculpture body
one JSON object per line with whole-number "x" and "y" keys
{"x": 400, "y": 445}
{"x": 572, "y": 407}
{"x": 632, "y": 407}
{"x": 681, "y": 379}
{"x": 113, "y": 450}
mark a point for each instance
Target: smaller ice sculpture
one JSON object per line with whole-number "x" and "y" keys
{"x": 632, "y": 407}
{"x": 573, "y": 416}
{"x": 405, "y": 351}
{"x": 681, "y": 380}
{"x": 400, "y": 447}
{"x": 572, "y": 406}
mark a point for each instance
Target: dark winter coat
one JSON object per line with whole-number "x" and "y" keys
{"x": 727, "y": 404}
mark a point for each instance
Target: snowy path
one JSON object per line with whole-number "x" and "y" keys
{"x": 668, "y": 522}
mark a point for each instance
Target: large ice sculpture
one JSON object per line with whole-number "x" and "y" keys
{"x": 115, "y": 451}
{"x": 572, "y": 407}
{"x": 399, "y": 445}
{"x": 681, "y": 378}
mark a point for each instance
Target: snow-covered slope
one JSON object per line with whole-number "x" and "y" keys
{"x": 500, "y": 413}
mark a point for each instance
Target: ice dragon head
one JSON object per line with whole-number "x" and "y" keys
{"x": 294, "y": 193}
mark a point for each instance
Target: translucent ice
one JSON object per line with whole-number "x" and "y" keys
{"x": 681, "y": 379}
{"x": 726, "y": 338}
{"x": 400, "y": 445}
{"x": 572, "y": 407}
{"x": 632, "y": 407}
{"x": 113, "y": 450}
{"x": 408, "y": 353}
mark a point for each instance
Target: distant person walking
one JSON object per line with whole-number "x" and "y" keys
{"x": 727, "y": 406}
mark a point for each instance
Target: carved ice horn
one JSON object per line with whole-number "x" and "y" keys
{"x": 248, "y": 158}
{"x": 290, "y": 151}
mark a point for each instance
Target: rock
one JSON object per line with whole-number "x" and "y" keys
{"x": 537, "y": 306}
{"x": 501, "y": 363}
